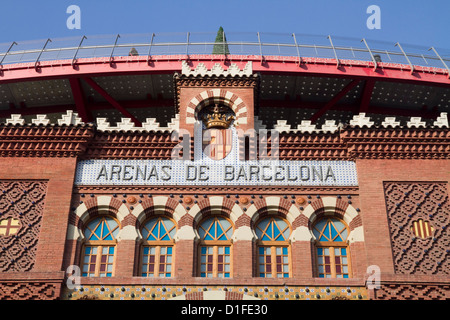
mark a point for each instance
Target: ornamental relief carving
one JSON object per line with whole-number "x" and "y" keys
{"x": 419, "y": 217}
{"x": 21, "y": 209}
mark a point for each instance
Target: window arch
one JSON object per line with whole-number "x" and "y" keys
{"x": 215, "y": 247}
{"x": 273, "y": 248}
{"x": 157, "y": 250}
{"x": 331, "y": 248}
{"x": 100, "y": 246}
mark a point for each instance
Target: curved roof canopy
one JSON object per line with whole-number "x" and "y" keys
{"x": 300, "y": 78}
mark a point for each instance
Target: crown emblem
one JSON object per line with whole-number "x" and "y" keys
{"x": 216, "y": 119}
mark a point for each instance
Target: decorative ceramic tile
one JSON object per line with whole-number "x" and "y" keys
{"x": 167, "y": 292}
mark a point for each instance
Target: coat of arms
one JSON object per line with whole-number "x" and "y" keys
{"x": 217, "y": 135}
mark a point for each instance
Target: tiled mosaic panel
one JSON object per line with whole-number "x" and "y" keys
{"x": 169, "y": 292}
{"x": 88, "y": 171}
{"x": 406, "y": 204}
{"x": 23, "y": 201}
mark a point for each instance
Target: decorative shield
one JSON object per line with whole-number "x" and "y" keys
{"x": 217, "y": 143}
{"x": 9, "y": 227}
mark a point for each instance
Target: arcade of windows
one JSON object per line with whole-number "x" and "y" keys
{"x": 215, "y": 248}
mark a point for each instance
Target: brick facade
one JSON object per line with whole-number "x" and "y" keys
{"x": 57, "y": 174}
{"x": 409, "y": 159}
{"x": 55, "y": 252}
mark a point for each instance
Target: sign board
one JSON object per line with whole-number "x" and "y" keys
{"x": 180, "y": 172}
{"x": 205, "y": 170}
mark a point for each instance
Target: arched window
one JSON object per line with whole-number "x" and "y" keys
{"x": 331, "y": 248}
{"x": 99, "y": 248}
{"x": 157, "y": 251}
{"x": 215, "y": 247}
{"x": 273, "y": 248}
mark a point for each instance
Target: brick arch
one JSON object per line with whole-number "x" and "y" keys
{"x": 100, "y": 206}
{"x": 94, "y": 207}
{"x": 215, "y": 205}
{"x": 159, "y": 205}
{"x": 270, "y": 206}
{"x": 332, "y": 206}
{"x": 221, "y": 96}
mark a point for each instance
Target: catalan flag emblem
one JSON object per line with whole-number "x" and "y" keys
{"x": 9, "y": 226}
{"x": 422, "y": 229}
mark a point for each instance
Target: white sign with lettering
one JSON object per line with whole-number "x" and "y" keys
{"x": 181, "y": 172}
{"x": 204, "y": 170}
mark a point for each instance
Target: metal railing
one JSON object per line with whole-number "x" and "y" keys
{"x": 255, "y": 44}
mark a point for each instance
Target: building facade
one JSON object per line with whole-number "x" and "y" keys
{"x": 232, "y": 181}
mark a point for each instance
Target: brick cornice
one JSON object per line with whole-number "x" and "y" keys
{"x": 130, "y": 145}
{"x": 44, "y": 140}
{"x": 348, "y": 143}
{"x": 312, "y": 146}
{"x": 396, "y": 143}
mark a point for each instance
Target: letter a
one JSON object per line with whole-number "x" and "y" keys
{"x": 73, "y": 280}
{"x": 184, "y": 145}
{"x": 374, "y": 279}
{"x": 374, "y": 21}
{"x": 74, "y": 21}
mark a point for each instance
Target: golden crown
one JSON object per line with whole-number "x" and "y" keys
{"x": 217, "y": 120}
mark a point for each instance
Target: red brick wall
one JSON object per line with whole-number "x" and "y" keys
{"x": 60, "y": 175}
{"x": 371, "y": 175}
{"x": 243, "y": 263}
{"x": 185, "y": 259}
{"x": 302, "y": 259}
{"x": 126, "y": 251}
{"x": 376, "y": 250}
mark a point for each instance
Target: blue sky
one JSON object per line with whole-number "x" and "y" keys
{"x": 418, "y": 22}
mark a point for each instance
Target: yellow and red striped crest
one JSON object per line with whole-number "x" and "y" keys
{"x": 422, "y": 229}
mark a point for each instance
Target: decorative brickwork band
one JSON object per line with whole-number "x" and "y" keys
{"x": 409, "y": 142}
{"x": 419, "y": 219}
{"x": 44, "y": 140}
{"x": 419, "y": 291}
{"x": 114, "y": 145}
{"x": 29, "y": 290}
{"x": 21, "y": 210}
{"x": 125, "y": 141}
